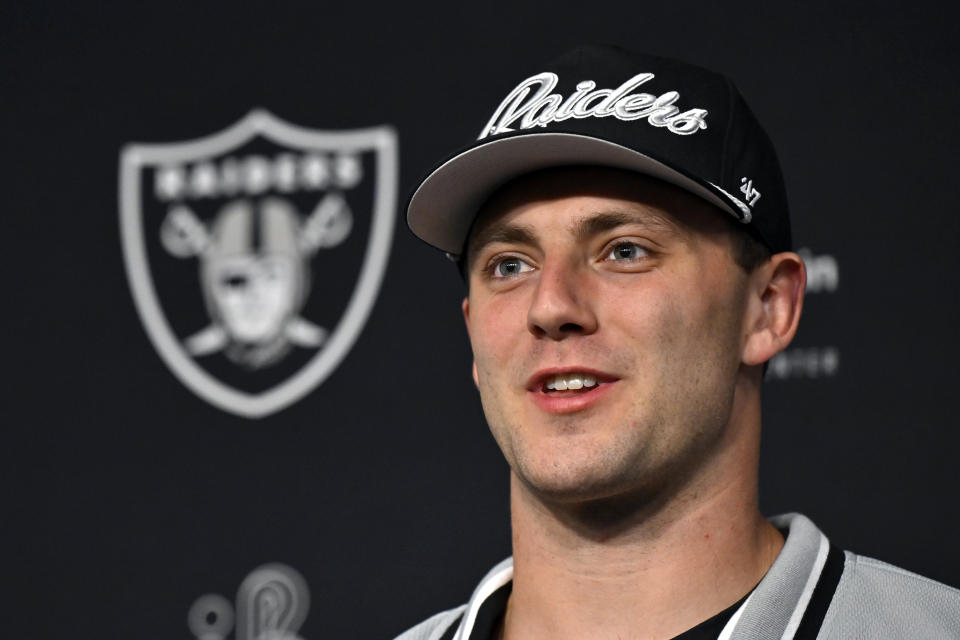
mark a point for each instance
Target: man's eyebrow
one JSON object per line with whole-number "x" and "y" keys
{"x": 583, "y": 229}
{"x": 508, "y": 234}
{"x": 605, "y": 221}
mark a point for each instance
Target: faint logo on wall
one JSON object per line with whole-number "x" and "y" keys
{"x": 272, "y": 603}
{"x": 255, "y": 255}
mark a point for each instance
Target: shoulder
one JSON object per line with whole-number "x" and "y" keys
{"x": 875, "y": 599}
{"x": 433, "y": 627}
{"x": 462, "y": 618}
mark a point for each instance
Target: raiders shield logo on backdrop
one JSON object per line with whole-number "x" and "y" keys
{"x": 255, "y": 255}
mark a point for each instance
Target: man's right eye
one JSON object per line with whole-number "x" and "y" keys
{"x": 508, "y": 267}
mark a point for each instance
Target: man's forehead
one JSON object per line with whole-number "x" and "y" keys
{"x": 606, "y": 198}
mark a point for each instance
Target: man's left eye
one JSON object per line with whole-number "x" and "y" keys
{"x": 626, "y": 251}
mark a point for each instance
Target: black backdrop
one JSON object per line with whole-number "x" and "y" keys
{"x": 126, "y": 496}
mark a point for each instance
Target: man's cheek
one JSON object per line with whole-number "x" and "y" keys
{"x": 496, "y": 342}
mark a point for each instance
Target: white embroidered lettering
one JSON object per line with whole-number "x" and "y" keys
{"x": 688, "y": 122}
{"x": 751, "y": 194}
{"x": 565, "y": 111}
{"x": 542, "y": 112}
{"x": 608, "y": 106}
{"x": 663, "y": 109}
{"x": 510, "y": 111}
{"x": 585, "y": 109}
{"x": 633, "y": 107}
{"x": 531, "y": 104}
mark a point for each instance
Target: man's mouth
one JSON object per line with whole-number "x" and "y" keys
{"x": 568, "y": 389}
{"x": 570, "y": 382}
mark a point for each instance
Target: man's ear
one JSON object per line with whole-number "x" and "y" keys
{"x": 774, "y": 309}
{"x": 465, "y": 307}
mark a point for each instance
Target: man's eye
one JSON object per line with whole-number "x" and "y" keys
{"x": 510, "y": 267}
{"x": 626, "y": 251}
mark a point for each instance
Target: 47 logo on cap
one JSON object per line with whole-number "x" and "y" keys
{"x": 255, "y": 254}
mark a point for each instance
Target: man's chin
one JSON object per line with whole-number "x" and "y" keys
{"x": 600, "y": 509}
{"x": 571, "y": 489}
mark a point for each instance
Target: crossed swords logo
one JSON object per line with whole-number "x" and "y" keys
{"x": 254, "y": 272}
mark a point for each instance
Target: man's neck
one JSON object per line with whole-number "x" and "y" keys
{"x": 652, "y": 577}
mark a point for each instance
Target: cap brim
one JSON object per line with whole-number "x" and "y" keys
{"x": 442, "y": 208}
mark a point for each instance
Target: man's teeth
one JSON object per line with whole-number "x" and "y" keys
{"x": 571, "y": 381}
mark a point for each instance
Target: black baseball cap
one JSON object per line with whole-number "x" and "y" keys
{"x": 608, "y": 107}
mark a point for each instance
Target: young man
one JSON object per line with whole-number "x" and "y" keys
{"x": 622, "y": 227}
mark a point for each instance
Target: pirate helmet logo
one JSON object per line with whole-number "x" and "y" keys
{"x": 232, "y": 212}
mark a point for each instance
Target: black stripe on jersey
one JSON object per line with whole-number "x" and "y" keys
{"x": 452, "y": 629}
{"x": 488, "y": 615}
{"x": 822, "y": 595}
{"x": 493, "y": 608}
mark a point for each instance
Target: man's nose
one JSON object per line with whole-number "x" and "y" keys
{"x": 562, "y": 303}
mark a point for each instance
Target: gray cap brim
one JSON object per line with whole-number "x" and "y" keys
{"x": 443, "y": 207}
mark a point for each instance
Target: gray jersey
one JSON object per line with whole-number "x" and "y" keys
{"x": 812, "y": 591}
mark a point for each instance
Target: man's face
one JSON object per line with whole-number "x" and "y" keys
{"x": 624, "y": 290}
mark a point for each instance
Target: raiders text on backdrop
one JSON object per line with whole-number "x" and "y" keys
{"x": 256, "y": 174}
